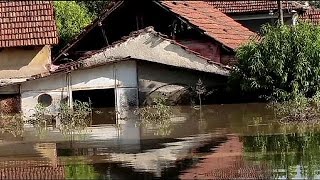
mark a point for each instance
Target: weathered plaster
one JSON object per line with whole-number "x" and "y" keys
{"x": 150, "y": 46}
{"x": 157, "y": 79}
{"x": 19, "y": 62}
{"x": 122, "y": 75}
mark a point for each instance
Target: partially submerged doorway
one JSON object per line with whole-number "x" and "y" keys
{"x": 102, "y": 103}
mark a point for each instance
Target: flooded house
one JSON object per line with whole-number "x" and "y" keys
{"x": 28, "y": 31}
{"x": 119, "y": 61}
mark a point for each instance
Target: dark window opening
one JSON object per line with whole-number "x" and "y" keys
{"x": 45, "y": 100}
{"x": 102, "y": 103}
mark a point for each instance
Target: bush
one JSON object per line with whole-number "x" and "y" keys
{"x": 282, "y": 65}
{"x": 300, "y": 109}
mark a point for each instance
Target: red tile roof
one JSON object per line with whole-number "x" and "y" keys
{"x": 215, "y": 23}
{"x": 252, "y": 6}
{"x": 27, "y": 23}
{"x": 311, "y": 15}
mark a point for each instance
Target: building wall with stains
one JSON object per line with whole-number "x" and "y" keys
{"x": 121, "y": 75}
{"x": 171, "y": 82}
{"x": 24, "y": 62}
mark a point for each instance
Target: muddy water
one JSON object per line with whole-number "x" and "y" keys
{"x": 214, "y": 142}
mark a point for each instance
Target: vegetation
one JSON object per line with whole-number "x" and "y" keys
{"x": 300, "y": 109}
{"x": 201, "y": 91}
{"x": 78, "y": 168}
{"x": 287, "y": 152}
{"x": 94, "y": 7}
{"x": 40, "y": 119}
{"x": 12, "y": 124}
{"x": 74, "y": 119}
{"x": 71, "y": 18}
{"x": 283, "y": 65}
{"x": 157, "y": 116}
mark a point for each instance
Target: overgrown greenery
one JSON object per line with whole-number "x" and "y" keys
{"x": 157, "y": 116}
{"x": 200, "y": 90}
{"x": 75, "y": 119}
{"x": 71, "y": 18}
{"x": 40, "y": 119}
{"x": 283, "y": 65}
{"x": 94, "y": 7}
{"x": 12, "y": 124}
{"x": 300, "y": 109}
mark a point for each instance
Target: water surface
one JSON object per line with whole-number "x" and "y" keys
{"x": 217, "y": 141}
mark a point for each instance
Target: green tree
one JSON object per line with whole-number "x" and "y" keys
{"x": 71, "y": 19}
{"x": 282, "y": 65}
{"x": 94, "y": 7}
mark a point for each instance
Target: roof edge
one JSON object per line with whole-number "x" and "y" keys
{"x": 87, "y": 29}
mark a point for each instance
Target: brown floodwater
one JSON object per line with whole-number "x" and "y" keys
{"x": 238, "y": 141}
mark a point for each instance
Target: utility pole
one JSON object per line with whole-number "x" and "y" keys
{"x": 280, "y": 18}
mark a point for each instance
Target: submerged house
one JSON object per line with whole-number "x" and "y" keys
{"x": 119, "y": 61}
{"x": 27, "y": 30}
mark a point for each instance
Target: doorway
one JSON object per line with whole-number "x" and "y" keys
{"x": 102, "y": 103}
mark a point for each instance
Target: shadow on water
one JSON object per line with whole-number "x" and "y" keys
{"x": 220, "y": 141}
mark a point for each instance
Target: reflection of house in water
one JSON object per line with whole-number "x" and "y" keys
{"x": 110, "y": 73}
{"x": 227, "y": 162}
{"x": 30, "y": 161}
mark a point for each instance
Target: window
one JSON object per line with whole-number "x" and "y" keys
{"x": 45, "y": 100}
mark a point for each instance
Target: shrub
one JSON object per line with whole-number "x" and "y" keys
{"x": 282, "y": 65}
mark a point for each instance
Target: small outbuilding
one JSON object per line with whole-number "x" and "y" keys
{"x": 122, "y": 75}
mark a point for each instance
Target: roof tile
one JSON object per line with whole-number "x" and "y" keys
{"x": 246, "y": 6}
{"x": 214, "y": 22}
{"x": 22, "y": 20}
{"x": 312, "y": 15}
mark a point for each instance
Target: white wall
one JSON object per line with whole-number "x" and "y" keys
{"x": 102, "y": 77}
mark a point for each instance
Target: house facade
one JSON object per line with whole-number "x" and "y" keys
{"x": 27, "y": 31}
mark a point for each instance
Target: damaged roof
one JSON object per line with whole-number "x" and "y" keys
{"x": 212, "y": 21}
{"x": 27, "y": 23}
{"x": 248, "y": 6}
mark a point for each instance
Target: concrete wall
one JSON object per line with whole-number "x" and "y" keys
{"x": 167, "y": 80}
{"x": 22, "y": 62}
{"x": 122, "y": 74}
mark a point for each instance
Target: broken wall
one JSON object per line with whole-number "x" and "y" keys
{"x": 24, "y": 62}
